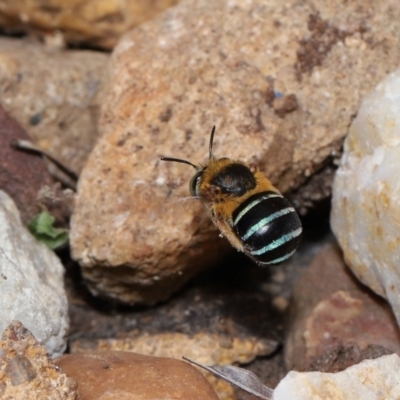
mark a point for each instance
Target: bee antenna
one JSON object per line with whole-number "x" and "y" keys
{"x": 178, "y": 160}
{"x": 211, "y": 141}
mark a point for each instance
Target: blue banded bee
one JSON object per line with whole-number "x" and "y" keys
{"x": 245, "y": 206}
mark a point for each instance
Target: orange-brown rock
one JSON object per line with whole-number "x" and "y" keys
{"x": 92, "y": 22}
{"x": 281, "y": 81}
{"x": 124, "y": 375}
{"x": 205, "y": 348}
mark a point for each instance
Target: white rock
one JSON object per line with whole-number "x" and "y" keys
{"x": 31, "y": 282}
{"x": 366, "y": 193}
{"x": 377, "y": 379}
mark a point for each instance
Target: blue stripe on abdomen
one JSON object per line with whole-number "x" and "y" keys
{"x": 268, "y": 226}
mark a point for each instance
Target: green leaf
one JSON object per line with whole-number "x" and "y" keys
{"x": 43, "y": 230}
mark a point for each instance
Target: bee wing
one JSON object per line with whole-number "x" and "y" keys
{"x": 239, "y": 377}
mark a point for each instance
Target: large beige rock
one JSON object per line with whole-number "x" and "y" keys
{"x": 282, "y": 91}
{"x": 91, "y": 22}
{"x": 366, "y": 200}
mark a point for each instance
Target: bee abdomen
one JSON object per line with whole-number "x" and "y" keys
{"x": 268, "y": 226}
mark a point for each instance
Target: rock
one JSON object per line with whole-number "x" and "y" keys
{"x": 224, "y": 316}
{"x": 31, "y": 278}
{"x": 87, "y": 22}
{"x": 315, "y": 192}
{"x": 206, "y": 348}
{"x": 55, "y": 95}
{"x": 377, "y": 379}
{"x": 23, "y": 175}
{"x": 26, "y": 372}
{"x": 120, "y": 374}
{"x": 134, "y": 231}
{"x": 366, "y": 200}
{"x": 334, "y": 321}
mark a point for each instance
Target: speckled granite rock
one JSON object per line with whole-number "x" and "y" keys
{"x": 119, "y": 375}
{"x": 31, "y": 282}
{"x": 334, "y": 321}
{"x": 92, "y": 22}
{"x": 282, "y": 92}
{"x": 55, "y": 95}
{"x": 26, "y": 372}
{"x": 377, "y": 379}
{"x": 366, "y": 202}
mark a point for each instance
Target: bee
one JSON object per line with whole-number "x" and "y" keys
{"x": 248, "y": 210}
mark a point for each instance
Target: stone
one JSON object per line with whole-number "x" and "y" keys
{"x": 316, "y": 191}
{"x": 366, "y": 198}
{"x": 206, "y": 348}
{"x": 334, "y": 321}
{"x": 224, "y": 316}
{"x": 26, "y": 371}
{"x": 55, "y": 95}
{"x": 377, "y": 379}
{"x": 281, "y": 91}
{"x": 124, "y": 375}
{"x": 23, "y": 175}
{"x": 88, "y": 22}
{"x": 31, "y": 282}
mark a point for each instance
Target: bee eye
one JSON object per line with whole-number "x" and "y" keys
{"x": 194, "y": 182}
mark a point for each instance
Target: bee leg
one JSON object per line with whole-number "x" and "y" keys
{"x": 227, "y": 231}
